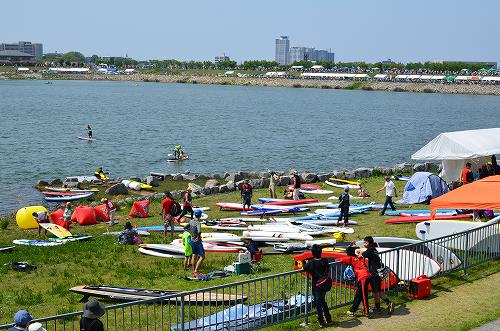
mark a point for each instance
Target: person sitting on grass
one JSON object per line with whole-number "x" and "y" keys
{"x": 129, "y": 236}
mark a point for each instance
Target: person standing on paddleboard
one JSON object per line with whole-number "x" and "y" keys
{"x": 390, "y": 191}
{"x": 198, "y": 253}
{"x": 177, "y": 152}
{"x": 89, "y": 132}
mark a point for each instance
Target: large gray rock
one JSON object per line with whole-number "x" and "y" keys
{"x": 56, "y": 182}
{"x": 419, "y": 167}
{"x": 206, "y": 191}
{"x": 177, "y": 194}
{"x": 309, "y": 177}
{"x": 363, "y": 172}
{"x": 189, "y": 177}
{"x": 211, "y": 183}
{"x": 349, "y": 175}
{"x": 177, "y": 177}
{"x": 244, "y": 174}
{"x": 253, "y": 174}
{"x": 256, "y": 183}
{"x": 223, "y": 189}
{"x": 284, "y": 181}
{"x": 230, "y": 186}
{"x": 239, "y": 184}
{"x": 404, "y": 167}
{"x": 153, "y": 181}
{"x": 234, "y": 177}
{"x": 214, "y": 190}
{"x": 264, "y": 174}
{"x": 432, "y": 167}
{"x": 42, "y": 183}
{"x": 322, "y": 176}
{"x": 195, "y": 187}
{"x": 226, "y": 174}
{"x": 338, "y": 174}
{"x": 117, "y": 189}
{"x": 265, "y": 182}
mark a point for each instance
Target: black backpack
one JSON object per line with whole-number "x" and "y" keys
{"x": 175, "y": 209}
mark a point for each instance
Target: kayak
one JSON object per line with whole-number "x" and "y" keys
{"x": 344, "y": 181}
{"x": 69, "y": 198}
{"x": 343, "y": 185}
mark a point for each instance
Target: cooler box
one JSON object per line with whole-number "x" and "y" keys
{"x": 242, "y": 268}
{"x": 420, "y": 287}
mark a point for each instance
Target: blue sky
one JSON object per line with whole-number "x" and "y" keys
{"x": 404, "y": 31}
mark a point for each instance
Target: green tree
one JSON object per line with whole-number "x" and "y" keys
{"x": 73, "y": 57}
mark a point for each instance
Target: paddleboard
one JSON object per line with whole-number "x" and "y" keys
{"x": 274, "y": 227}
{"x": 318, "y": 228}
{"x": 70, "y": 198}
{"x": 290, "y": 247}
{"x": 242, "y": 219}
{"x": 178, "y": 160}
{"x": 132, "y": 294}
{"x": 6, "y": 249}
{"x": 60, "y": 193}
{"x": 154, "y": 252}
{"x": 307, "y": 187}
{"x": 418, "y": 219}
{"x": 73, "y": 238}
{"x": 166, "y": 248}
{"x": 85, "y": 138}
{"x": 316, "y": 191}
{"x": 159, "y": 228}
{"x": 445, "y": 257}
{"x": 203, "y": 216}
{"x": 343, "y": 186}
{"x": 56, "y": 230}
{"x": 270, "y": 234}
{"x": 333, "y": 179}
{"x": 284, "y": 202}
{"x": 415, "y": 211}
{"x": 40, "y": 243}
{"x": 321, "y": 242}
{"x": 210, "y": 247}
{"x": 262, "y": 212}
{"x": 231, "y": 206}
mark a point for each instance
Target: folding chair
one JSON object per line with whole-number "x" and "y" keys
{"x": 257, "y": 260}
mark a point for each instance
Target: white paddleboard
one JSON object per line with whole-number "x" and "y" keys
{"x": 316, "y": 191}
{"x": 338, "y": 185}
{"x": 40, "y": 243}
{"x": 269, "y": 234}
{"x": 407, "y": 264}
{"x": 159, "y": 254}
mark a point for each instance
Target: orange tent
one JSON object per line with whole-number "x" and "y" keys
{"x": 481, "y": 194}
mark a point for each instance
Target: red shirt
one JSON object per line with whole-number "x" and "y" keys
{"x": 187, "y": 200}
{"x": 166, "y": 204}
{"x": 465, "y": 172}
{"x": 358, "y": 264}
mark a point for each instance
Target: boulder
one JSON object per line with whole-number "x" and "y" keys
{"x": 252, "y": 174}
{"x": 309, "y": 177}
{"x": 244, "y": 174}
{"x": 419, "y": 167}
{"x": 322, "y": 176}
{"x": 195, "y": 187}
{"x": 284, "y": 181}
{"x": 264, "y": 174}
{"x": 403, "y": 167}
{"x": 338, "y": 174}
{"x": 42, "y": 183}
{"x": 234, "y": 177}
{"x": 189, "y": 177}
{"x": 153, "y": 181}
{"x": 265, "y": 182}
{"x": 230, "y": 186}
{"x": 432, "y": 167}
{"x": 363, "y": 172}
{"x": 211, "y": 183}
{"x": 226, "y": 174}
{"x": 349, "y": 175}
{"x": 239, "y": 184}
{"x": 256, "y": 183}
{"x": 177, "y": 177}
{"x": 291, "y": 171}
{"x": 382, "y": 170}
{"x": 56, "y": 182}
{"x": 117, "y": 189}
{"x": 223, "y": 189}
{"x": 214, "y": 190}
{"x": 206, "y": 191}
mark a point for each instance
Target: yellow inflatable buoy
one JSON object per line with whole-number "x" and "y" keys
{"x": 25, "y": 219}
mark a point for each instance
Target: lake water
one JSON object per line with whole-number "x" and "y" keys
{"x": 222, "y": 128}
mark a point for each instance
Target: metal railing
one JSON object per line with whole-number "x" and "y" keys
{"x": 273, "y": 299}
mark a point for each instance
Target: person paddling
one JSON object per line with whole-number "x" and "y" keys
{"x": 89, "y": 132}
{"x": 177, "y": 152}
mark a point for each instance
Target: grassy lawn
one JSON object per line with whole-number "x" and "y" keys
{"x": 45, "y": 292}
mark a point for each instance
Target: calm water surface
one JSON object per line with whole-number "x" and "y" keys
{"x": 223, "y": 128}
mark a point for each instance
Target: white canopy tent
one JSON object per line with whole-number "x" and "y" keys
{"x": 459, "y": 147}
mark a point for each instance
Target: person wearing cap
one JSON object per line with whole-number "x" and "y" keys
{"x": 22, "y": 320}
{"x": 37, "y": 326}
{"x": 194, "y": 228}
{"x": 109, "y": 209}
{"x": 187, "y": 205}
{"x": 246, "y": 194}
{"x": 344, "y": 205}
{"x": 40, "y": 217}
{"x": 296, "y": 182}
{"x": 390, "y": 191}
{"x": 92, "y": 311}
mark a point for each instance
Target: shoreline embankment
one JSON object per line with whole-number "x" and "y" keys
{"x": 370, "y": 85}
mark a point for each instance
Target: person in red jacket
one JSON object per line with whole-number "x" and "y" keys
{"x": 467, "y": 176}
{"x": 187, "y": 206}
{"x": 168, "y": 219}
{"x": 246, "y": 194}
{"x": 362, "y": 277}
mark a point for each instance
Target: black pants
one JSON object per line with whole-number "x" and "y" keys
{"x": 361, "y": 295}
{"x": 321, "y": 306}
{"x": 388, "y": 201}
{"x": 185, "y": 210}
{"x": 344, "y": 213}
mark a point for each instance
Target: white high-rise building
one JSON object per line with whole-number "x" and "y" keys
{"x": 282, "y": 51}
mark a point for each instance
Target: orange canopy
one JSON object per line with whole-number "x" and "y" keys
{"x": 481, "y": 194}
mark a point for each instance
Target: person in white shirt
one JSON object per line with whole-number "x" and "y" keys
{"x": 390, "y": 191}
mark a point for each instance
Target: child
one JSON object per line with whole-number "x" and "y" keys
{"x": 188, "y": 250}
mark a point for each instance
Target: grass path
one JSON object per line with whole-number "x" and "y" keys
{"x": 455, "y": 308}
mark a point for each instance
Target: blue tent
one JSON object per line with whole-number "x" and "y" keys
{"x": 422, "y": 187}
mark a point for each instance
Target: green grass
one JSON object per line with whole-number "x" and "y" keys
{"x": 101, "y": 261}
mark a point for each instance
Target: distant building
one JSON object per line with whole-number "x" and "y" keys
{"x": 282, "y": 50}
{"x": 10, "y": 57}
{"x": 28, "y": 47}
{"x": 222, "y": 58}
{"x": 310, "y": 54}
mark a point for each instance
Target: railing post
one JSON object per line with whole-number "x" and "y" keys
{"x": 466, "y": 252}
{"x": 182, "y": 313}
{"x": 306, "y": 318}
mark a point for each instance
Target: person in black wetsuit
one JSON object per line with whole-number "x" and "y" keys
{"x": 319, "y": 269}
{"x": 89, "y": 131}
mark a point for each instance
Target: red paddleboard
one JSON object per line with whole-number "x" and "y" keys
{"x": 418, "y": 219}
{"x": 338, "y": 273}
{"x": 231, "y": 206}
{"x": 291, "y": 202}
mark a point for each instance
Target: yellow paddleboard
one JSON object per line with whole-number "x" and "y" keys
{"x": 56, "y": 230}
{"x": 344, "y": 181}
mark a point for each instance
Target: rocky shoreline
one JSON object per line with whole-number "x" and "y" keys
{"x": 389, "y": 86}
{"x": 230, "y": 182}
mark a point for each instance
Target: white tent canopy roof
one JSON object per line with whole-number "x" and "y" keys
{"x": 461, "y": 145}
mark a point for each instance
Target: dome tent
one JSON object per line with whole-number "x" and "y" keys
{"x": 422, "y": 187}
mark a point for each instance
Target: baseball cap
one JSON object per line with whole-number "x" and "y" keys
{"x": 198, "y": 212}
{"x": 22, "y": 317}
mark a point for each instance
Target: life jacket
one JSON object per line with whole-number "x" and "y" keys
{"x": 246, "y": 189}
